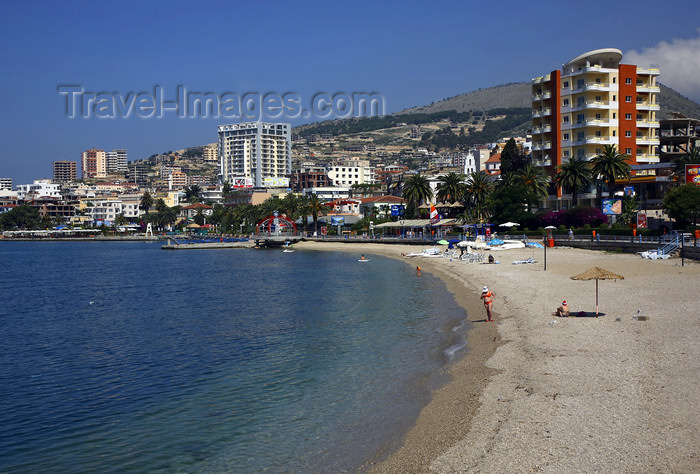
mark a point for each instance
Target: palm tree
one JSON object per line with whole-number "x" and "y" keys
{"x": 534, "y": 180}
{"x": 692, "y": 157}
{"x": 146, "y": 201}
{"x": 452, "y": 188}
{"x": 192, "y": 193}
{"x": 611, "y": 166}
{"x": 416, "y": 190}
{"x": 575, "y": 174}
{"x": 316, "y": 207}
{"x": 478, "y": 189}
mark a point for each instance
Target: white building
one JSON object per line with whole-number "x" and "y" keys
{"x": 351, "y": 172}
{"x": 259, "y": 151}
{"x": 40, "y": 187}
{"x": 116, "y": 161}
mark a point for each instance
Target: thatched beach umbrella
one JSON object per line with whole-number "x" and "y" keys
{"x": 597, "y": 273}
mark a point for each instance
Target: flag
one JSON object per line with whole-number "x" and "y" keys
{"x": 434, "y": 218}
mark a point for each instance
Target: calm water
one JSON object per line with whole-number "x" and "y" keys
{"x": 121, "y": 356}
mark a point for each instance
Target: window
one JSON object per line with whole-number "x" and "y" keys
{"x": 639, "y": 117}
{"x": 598, "y": 134}
{"x": 580, "y": 118}
{"x": 597, "y": 116}
{"x": 566, "y": 153}
{"x": 566, "y": 119}
{"x": 628, "y": 134}
{"x": 566, "y": 102}
{"x": 566, "y": 83}
{"x": 628, "y": 116}
{"x": 614, "y": 133}
{"x": 614, "y": 98}
{"x": 581, "y": 101}
{"x": 614, "y": 115}
{"x": 598, "y": 98}
{"x": 614, "y": 80}
{"x": 628, "y": 80}
{"x": 580, "y": 136}
{"x": 566, "y": 136}
{"x": 640, "y": 134}
{"x": 628, "y": 151}
{"x": 628, "y": 98}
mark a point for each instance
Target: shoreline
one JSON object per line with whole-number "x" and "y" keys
{"x": 614, "y": 393}
{"x": 447, "y": 417}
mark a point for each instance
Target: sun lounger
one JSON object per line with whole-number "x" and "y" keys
{"x": 524, "y": 262}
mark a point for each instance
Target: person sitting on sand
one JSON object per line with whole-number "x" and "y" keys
{"x": 563, "y": 310}
{"x": 491, "y": 259}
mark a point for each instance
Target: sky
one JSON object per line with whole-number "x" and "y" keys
{"x": 411, "y": 53}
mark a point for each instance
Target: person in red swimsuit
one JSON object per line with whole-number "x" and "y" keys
{"x": 487, "y": 296}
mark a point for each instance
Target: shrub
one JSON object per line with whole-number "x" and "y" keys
{"x": 604, "y": 225}
{"x": 587, "y": 226}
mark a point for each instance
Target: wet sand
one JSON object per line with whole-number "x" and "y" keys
{"x": 540, "y": 393}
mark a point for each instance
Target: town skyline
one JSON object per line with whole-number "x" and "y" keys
{"x": 413, "y": 57}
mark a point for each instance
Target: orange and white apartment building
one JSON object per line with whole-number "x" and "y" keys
{"x": 594, "y": 101}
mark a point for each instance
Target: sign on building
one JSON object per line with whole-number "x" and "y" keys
{"x": 612, "y": 207}
{"x": 276, "y": 182}
{"x": 641, "y": 220}
{"x": 692, "y": 174}
{"x": 241, "y": 183}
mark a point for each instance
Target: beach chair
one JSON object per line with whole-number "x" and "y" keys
{"x": 524, "y": 262}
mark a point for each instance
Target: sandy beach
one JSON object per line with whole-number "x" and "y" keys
{"x": 540, "y": 393}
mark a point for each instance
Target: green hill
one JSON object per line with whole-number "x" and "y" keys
{"x": 501, "y": 110}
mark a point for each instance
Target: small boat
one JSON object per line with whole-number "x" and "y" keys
{"x": 288, "y": 250}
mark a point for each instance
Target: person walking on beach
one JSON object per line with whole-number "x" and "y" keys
{"x": 487, "y": 296}
{"x": 418, "y": 271}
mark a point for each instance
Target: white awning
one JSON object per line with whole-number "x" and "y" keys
{"x": 416, "y": 223}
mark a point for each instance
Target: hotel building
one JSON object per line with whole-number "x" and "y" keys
{"x": 94, "y": 163}
{"x": 257, "y": 153}
{"x": 116, "y": 161}
{"x": 594, "y": 101}
{"x": 65, "y": 171}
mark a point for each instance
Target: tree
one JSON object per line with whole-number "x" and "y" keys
{"x": 452, "y": 188}
{"x": 510, "y": 203}
{"x": 160, "y": 205}
{"x": 21, "y": 217}
{"x": 682, "y": 204}
{"x": 611, "y": 166}
{"x": 146, "y": 201}
{"x": 416, "y": 190}
{"x": 512, "y": 160}
{"x": 227, "y": 189}
{"x": 576, "y": 175}
{"x": 192, "y": 193}
{"x": 692, "y": 157}
{"x": 316, "y": 207}
{"x": 534, "y": 182}
{"x": 478, "y": 189}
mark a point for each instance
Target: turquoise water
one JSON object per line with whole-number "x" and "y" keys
{"x": 121, "y": 356}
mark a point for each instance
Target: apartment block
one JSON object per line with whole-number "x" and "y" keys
{"x": 94, "y": 163}
{"x": 116, "y": 161}
{"x": 259, "y": 151}
{"x": 65, "y": 171}
{"x": 6, "y": 183}
{"x": 593, "y": 101}
{"x": 350, "y": 172}
{"x": 211, "y": 153}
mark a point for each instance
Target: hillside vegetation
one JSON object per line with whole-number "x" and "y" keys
{"x": 495, "y": 112}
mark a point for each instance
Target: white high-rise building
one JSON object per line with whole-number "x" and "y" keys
{"x": 116, "y": 161}
{"x": 256, "y": 153}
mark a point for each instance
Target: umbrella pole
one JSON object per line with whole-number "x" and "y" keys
{"x": 596, "y": 297}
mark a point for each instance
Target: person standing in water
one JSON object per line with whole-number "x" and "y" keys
{"x": 487, "y": 296}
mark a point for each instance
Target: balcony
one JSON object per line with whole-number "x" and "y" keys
{"x": 647, "y": 141}
{"x": 542, "y": 146}
{"x": 647, "y": 124}
{"x": 648, "y": 88}
{"x": 647, "y": 106}
{"x": 648, "y": 71}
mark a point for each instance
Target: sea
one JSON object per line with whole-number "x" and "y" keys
{"x": 120, "y": 356}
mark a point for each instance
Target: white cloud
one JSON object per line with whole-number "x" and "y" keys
{"x": 678, "y": 60}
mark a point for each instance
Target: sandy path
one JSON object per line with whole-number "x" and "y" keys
{"x": 612, "y": 394}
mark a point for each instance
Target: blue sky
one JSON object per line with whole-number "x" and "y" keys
{"x": 412, "y": 53}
